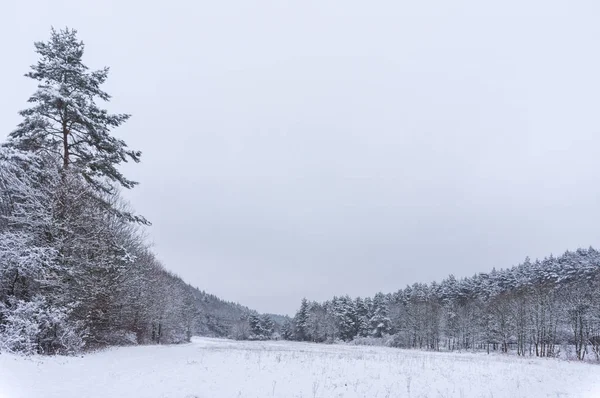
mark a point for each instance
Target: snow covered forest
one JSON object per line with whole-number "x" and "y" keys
{"x": 547, "y": 308}
{"x": 77, "y": 273}
{"x": 75, "y": 270}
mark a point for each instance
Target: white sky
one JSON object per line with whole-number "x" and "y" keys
{"x": 312, "y": 148}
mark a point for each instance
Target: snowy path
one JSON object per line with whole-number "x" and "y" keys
{"x": 222, "y": 368}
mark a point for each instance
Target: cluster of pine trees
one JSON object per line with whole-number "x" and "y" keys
{"x": 75, "y": 271}
{"x": 536, "y": 308}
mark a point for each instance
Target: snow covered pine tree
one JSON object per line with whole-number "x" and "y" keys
{"x": 65, "y": 119}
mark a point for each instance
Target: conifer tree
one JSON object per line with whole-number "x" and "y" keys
{"x": 64, "y": 119}
{"x": 267, "y": 326}
{"x": 363, "y": 319}
{"x": 380, "y": 321}
{"x": 287, "y": 332}
{"x": 300, "y": 321}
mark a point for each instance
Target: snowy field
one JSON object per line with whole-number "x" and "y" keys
{"x": 223, "y": 368}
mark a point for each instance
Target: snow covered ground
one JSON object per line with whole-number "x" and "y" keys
{"x": 224, "y": 368}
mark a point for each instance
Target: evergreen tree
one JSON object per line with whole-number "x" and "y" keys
{"x": 65, "y": 121}
{"x": 363, "y": 318}
{"x": 267, "y": 326}
{"x": 287, "y": 330}
{"x": 346, "y": 318}
{"x": 255, "y": 326}
{"x": 380, "y": 321}
{"x": 301, "y": 321}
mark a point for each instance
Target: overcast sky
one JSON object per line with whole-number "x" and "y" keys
{"x": 312, "y": 148}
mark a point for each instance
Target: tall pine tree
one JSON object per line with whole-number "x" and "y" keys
{"x": 64, "y": 119}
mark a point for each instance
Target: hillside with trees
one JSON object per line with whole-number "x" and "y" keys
{"x": 536, "y": 308}
{"x": 75, "y": 270}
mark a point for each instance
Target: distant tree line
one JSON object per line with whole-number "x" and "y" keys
{"x": 535, "y": 308}
{"x": 75, "y": 270}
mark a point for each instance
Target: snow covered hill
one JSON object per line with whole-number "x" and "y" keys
{"x": 224, "y": 368}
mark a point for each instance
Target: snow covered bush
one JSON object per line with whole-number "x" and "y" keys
{"x": 36, "y": 327}
{"x": 384, "y": 341}
{"x": 19, "y": 331}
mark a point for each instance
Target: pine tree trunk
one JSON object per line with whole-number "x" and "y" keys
{"x": 65, "y": 132}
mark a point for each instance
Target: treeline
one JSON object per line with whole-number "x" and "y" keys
{"x": 535, "y": 308}
{"x": 75, "y": 270}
